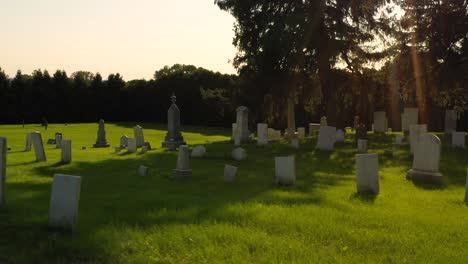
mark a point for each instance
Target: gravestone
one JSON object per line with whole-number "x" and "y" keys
{"x": 362, "y": 146}
{"x": 367, "y": 173}
{"x": 239, "y": 154}
{"x": 101, "y": 141}
{"x": 323, "y": 121}
{"x": 51, "y": 141}
{"x": 450, "y": 121}
{"x": 198, "y": 152}
{"x": 242, "y": 121}
{"x": 361, "y": 132}
{"x": 28, "y": 142}
{"x": 3, "y": 160}
{"x": 356, "y": 122}
{"x": 140, "y": 138}
{"x": 291, "y": 118}
{"x": 326, "y": 138}
{"x": 415, "y": 134}
{"x": 313, "y": 129}
{"x": 174, "y": 136}
{"x": 229, "y": 173}
{"x": 301, "y": 132}
{"x": 285, "y": 170}
{"x": 64, "y": 202}
{"x": 132, "y": 146}
{"x": 38, "y": 145}
{"x": 118, "y": 149}
{"x": 409, "y": 117}
{"x": 144, "y": 149}
{"x": 398, "y": 139}
{"x": 295, "y": 143}
{"x": 124, "y": 141}
{"x": 380, "y": 122}
{"x": 148, "y": 145}
{"x": 183, "y": 166}
{"x": 262, "y": 134}
{"x": 237, "y": 140}
{"x": 458, "y": 139}
{"x": 426, "y": 160}
{"x": 143, "y": 171}
{"x": 66, "y": 151}
{"x": 58, "y": 140}
{"x": 339, "y": 136}
{"x": 234, "y": 131}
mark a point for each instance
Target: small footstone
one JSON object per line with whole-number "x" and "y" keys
{"x": 295, "y": 143}
{"x": 229, "y": 173}
{"x": 239, "y": 154}
{"x": 83, "y": 148}
{"x": 398, "y": 139}
{"x": 198, "y": 152}
{"x": 144, "y": 149}
{"x": 143, "y": 170}
{"x": 362, "y": 146}
{"x": 64, "y": 202}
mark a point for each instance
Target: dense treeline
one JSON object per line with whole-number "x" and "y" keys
{"x": 202, "y": 96}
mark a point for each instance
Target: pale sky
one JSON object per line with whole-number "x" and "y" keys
{"x": 131, "y": 37}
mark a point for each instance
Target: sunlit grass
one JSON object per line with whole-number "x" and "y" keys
{"x": 125, "y": 218}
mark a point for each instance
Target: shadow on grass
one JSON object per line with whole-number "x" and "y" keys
{"x": 364, "y": 197}
{"x": 205, "y": 131}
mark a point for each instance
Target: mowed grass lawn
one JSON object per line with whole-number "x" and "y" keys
{"x": 125, "y": 218}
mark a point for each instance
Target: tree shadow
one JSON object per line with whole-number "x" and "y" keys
{"x": 202, "y": 130}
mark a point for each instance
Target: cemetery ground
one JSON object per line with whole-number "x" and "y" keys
{"x": 127, "y": 218}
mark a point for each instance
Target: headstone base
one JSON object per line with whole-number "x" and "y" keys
{"x": 424, "y": 176}
{"x": 101, "y": 145}
{"x": 173, "y": 144}
{"x": 182, "y": 173}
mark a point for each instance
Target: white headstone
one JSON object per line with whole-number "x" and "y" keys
{"x": 409, "y": 117}
{"x": 198, "y": 152}
{"x": 28, "y": 142}
{"x": 229, "y": 173}
{"x": 242, "y": 121}
{"x": 295, "y": 143}
{"x": 140, "y": 138}
{"x": 458, "y": 139}
{"x": 339, "y": 135}
{"x": 143, "y": 170}
{"x": 66, "y": 151}
{"x": 3, "y": 160}
{"x": 183, "y": 163}
{"x": 262, "y": 134}
{"x": 132, "y": 145}
{"x": 239, "y": 154}
{"x": 313, "y": 129}
{"x": 64, "y": 202}
{"x": 285, "y": 170}
{"x": 301, "y": 132}
{"x": 415, "y": 134}
{"x": 326, "y": 138}
{"x": 362, "y": 146}
{"x": 323, "y": 121}
{"x": 398, "y": 139}
{"x": 426, "y": 159}
{"x": 380, "y": 122}
{"x": 58, "y": 140}
{"x": 367, "y": 172}
{"x": 38, "y": 145}
{"x": 450, "y": 121}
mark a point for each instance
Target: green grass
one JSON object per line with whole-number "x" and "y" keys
{"x": 125, "y": 218}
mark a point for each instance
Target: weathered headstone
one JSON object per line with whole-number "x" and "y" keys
{"x": 198, "y": 152}
{"x": 458, "y": 139}
{"x": 183, "y": 163}
{"x": 313, "y": 129}
{"x": 66, "y": 151}
{"x": 58, "y": 140}
{"x": 295, "y": 143}
{"x": 229, "y": 173}
{"x": 174, "y": 136}
{"x": 3, "y": 160}
{"x": 140, "y": 138}
{"x": 285, "y": 170}
{"x": 409, "y": 117}
{"x": 101, "y": 141}
{"x": 362, "y": 146}
{"x": 301, "y": 132}
{"x": 380, "y": 122}
{"x": 262, "y": 134}
{"x": 426, "y": 159}
{"x": 123, "y": 141}
{"x": 367, "y": 173}
{"x": 398, "y": 139}
{"x": 323, "y": 121}
{"x": 242, "y": 121}
{"x": 38, "y": 145}
{"x": 326, "y": 138}
{"x": 415, "y": 134}
{"x": 450, "y": 121}
{"x": 361, "y": 132}
{"x": 144, "y": 149}
{"x": 64, "y": 202}
{"x": 239, "y": 154}
{"x": 132, "y": 146}
{"x": 291, "y": 119}
{"x": 118, "y": 149}
{"x": 28, "y": 142}
{"x": 339, "y": 136}
{"x": 143, "y": 171}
